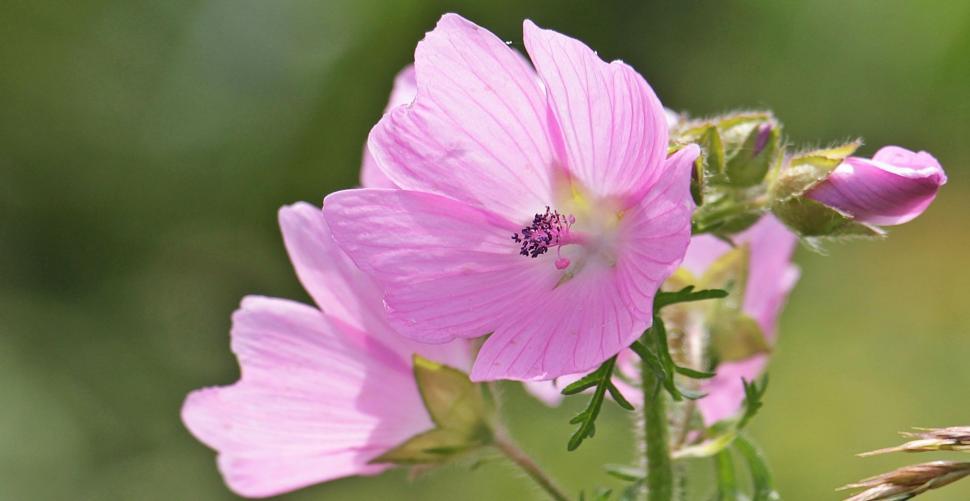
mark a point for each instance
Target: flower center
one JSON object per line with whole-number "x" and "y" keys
{"x": 549, "y": 229}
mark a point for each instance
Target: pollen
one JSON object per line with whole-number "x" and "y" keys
{"x": 549, "y": 229}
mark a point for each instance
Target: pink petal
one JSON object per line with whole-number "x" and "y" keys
{"x": 405, "y": 88}
{"x": 332, "y": 279}
{"x": 576, "y": 325}
{"x": 771, "y": 277}
{"x": 316, "y": 400}
{"x": 725, "y": 391}
{"x": 771, "y": 274}
{"x": 344, "y": 292}
{"x": 476, "y": 130}
{"x": 449, "y": 269}
{"x": 894, "y": 187}
{"x": 612, "y": 129}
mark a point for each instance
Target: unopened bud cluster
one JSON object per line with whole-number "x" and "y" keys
{"x": 746, "y": 170}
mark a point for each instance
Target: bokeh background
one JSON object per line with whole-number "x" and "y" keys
{"x": 146, "y": 146}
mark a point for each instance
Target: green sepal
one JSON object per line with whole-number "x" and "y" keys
{"x": 452, "y": 400}
{"x": 804, "y": 170}
{"x": 748, "y": 165}
{"x": 813, "y": 220}
{"x": 433, "y": 446}
{"x": 458, "y": 408}
{"x": 697, "y": 182}
{"x": 713, "y": 151}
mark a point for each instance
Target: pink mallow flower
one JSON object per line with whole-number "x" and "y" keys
{"x": 535, "y": 205}
{"x": 771, "y": 276}
{"x": 322, "y": 391}
{"x": 894, "y": 187}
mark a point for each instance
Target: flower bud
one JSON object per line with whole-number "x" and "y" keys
{"x": 893, "y": 187}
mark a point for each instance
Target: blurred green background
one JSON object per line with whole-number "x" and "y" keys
{"x": 146, "y": 146}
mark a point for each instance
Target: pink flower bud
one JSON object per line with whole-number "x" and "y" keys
{"x": 894, "y": 187}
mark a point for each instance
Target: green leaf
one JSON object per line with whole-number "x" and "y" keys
{"x": 632, "y": 491}
{"x": 753, "y": 396}
{"x": 761, "y": 480}
{"x": 685, "y": 295}
{"x": 695, "y": 374}
{"x": 659, "y": 332}
{"x": 452, "y": 400}
{"x": 587, "y": 418}
{"x": 586, "y": 382}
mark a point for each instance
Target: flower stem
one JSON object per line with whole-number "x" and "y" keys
{"x": 512, "y": 451}
{"x": 660, "y": 473}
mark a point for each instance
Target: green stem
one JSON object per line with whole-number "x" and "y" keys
{"x": 660, "y": 473}
{"x": 511, "y": 451}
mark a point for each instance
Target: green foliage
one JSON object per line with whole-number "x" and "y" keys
{"x": 761, "y": 479}
{"x": 658, "y": 361}
{"x": 725, "y": 473}
{"x": 601, "y": 381}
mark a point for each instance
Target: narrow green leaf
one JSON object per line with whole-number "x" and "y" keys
{"x": 727, "y": 483}
{"x": 586, "y": 382}
{"x": 587, "y": 419}
{"x": 685, "y": 295}
{"x": 624, "y": 472}
{"x": 649, "y": 358}
{"x": 618, "y": 396}
{"x": 632, "y": 491}
{"x": 695, "y": 374}
{"x": 761, "y": 480}
{"x": 690, "y": 394}
{"x": 753, "y": 394}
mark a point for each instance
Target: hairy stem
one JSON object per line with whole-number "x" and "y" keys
{"x": 660, "y": 474}
{"x": 512, "y": 451}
